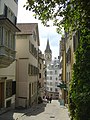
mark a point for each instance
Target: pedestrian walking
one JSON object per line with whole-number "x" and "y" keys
{"x": 50, "y": 99}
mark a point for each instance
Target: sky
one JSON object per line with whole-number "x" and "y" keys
{"x": 25, "y": 16}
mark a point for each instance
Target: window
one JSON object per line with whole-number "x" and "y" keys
{"x": 50, "y": 89}
{"x": 6, "y": 37}
{"x": 50, "y": 78}
{"x": 13, "y": 87}
{"x": 76, "y": 38}
{"x": 40, "y": 66}
{"x": 8, "y": 89}
{"x": 56, "y": 78}
{"x": 68, "y": 56}
{"x": 34, "y": 35}
{"x": 32, "y": 70}
{"x": 12, "y": 41}
{"x": 32, "y": 88}
{"x": 32, "y": 49}
{"x": 39, "y": 75}
{"x": 56, "y": 89}
{"x": 55, "y": 71}
{"x": 0, "y": 35}
{"x": 50, "y": 72}
{"x": 29, "y": 46}
{"x": 56, "y": 83}
{"x": 8, "y": 103}
{"x": 50, "y": 83}
{"x": 9, "y": 14}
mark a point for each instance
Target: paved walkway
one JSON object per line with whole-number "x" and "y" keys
{"x": 49, "y": 111}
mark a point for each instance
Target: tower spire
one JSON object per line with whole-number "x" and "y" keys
{"x": 48, "y": 47}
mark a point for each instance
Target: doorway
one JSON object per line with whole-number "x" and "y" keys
{"x": 30, "y": 94}
{"x": 1, "y": 94}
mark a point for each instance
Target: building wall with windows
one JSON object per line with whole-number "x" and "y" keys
{"x": 27, "y": 45}
{"x": 8, "y": 19}
{"x": 70, "y": 43}
{"x": 41, "y": 76}
{"x": 52, "y": 80}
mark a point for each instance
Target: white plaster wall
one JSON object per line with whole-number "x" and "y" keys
{"x": 53, "y": 79}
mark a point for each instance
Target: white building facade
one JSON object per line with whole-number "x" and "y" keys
{"x": 52, "y": 80}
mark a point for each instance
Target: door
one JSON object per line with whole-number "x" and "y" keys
{"x": 30, "y": 94}
{"x": 1, "y": 94}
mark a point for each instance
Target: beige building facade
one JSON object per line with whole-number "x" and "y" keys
{"x": 68, "y": 47}
{"x": 27, "y": 45}
{"x": 62, "y": 54}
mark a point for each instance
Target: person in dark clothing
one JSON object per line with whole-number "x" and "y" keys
{"x": 50, "y": 99}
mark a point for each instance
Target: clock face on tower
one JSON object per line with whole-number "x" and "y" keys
{"x": 48, "y": 56}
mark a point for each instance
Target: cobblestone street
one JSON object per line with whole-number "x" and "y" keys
{"x": 49, "y": 111}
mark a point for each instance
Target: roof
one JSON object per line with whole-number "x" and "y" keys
{"x": 28, "y": 29}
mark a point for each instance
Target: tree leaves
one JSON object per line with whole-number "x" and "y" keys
{"x": 70, "y": 10}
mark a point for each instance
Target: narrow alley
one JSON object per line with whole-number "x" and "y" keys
{"x": 49, "y": 111}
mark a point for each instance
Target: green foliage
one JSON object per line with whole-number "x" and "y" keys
{"x": 79, "y": 94}
{"x": 64, "y": 13}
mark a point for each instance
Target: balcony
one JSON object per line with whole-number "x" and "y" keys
{"x": 9, "y": 14}
{"x": 7, "y": 56}
{"x": 7, "y": 39}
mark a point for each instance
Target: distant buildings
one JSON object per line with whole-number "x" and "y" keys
{"x": 8, "y": 19}
{"x": 52, "y": 80}
{"x": 41, "y": 76}
{"x": 52, "y": 74}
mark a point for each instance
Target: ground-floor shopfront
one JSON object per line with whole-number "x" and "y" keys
{"x": 7, "y": 94}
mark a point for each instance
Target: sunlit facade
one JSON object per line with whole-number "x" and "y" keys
{"x": 27, "y": 46}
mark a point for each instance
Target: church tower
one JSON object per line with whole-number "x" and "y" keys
{"x": 48, "y": 54}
